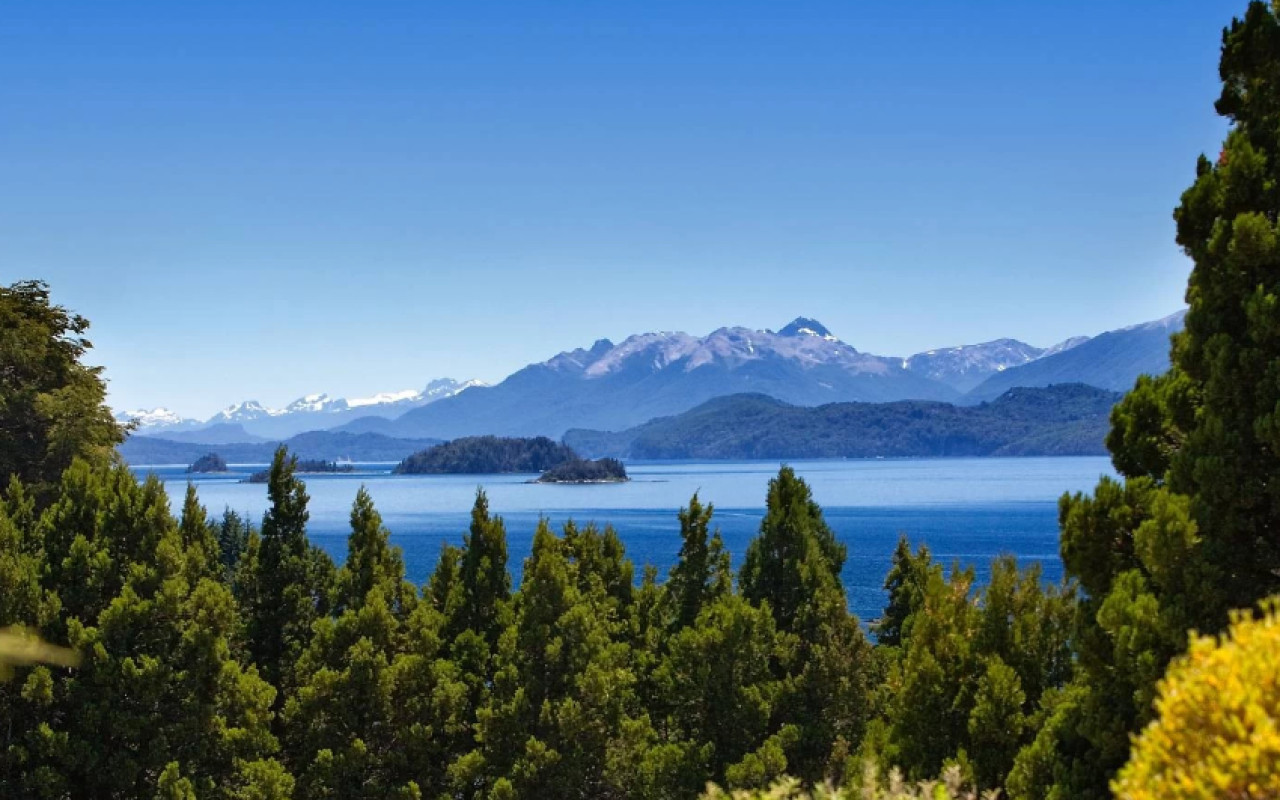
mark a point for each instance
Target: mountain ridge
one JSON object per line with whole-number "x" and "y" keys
{"x": 1065, "y": 419}
{"x": 309, "y": 412}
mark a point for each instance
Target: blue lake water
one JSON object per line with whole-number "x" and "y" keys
{"x": 966, "y": 510}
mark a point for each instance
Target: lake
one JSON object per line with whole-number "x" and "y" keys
{"x": 966, "y": 510}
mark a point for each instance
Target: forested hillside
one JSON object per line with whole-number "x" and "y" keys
{"x": 1058, "y": 420}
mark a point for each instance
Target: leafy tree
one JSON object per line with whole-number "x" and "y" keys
{"x": 51, "y": 404}
{"x": 1215, "y": 731}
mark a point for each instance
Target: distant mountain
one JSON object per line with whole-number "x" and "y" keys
{"x": 966, "y": 366}
{"x": 157, "y": 418}
{"x": 320, "y": 445}
{"x": 1111, "y": 360}
{"x": 222, "y": 433}
{"x": 614, "y": 386}
{"x": 611, "y": 386}
{"x": 1058, "y": 420}
{"x": 312, "y": 412}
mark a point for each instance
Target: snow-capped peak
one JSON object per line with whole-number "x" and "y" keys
{"x": 804, "y": 326}
{"x": 152, "y": 418}
{"x": 385, "y": 398}
{"x": 245, "y": 412}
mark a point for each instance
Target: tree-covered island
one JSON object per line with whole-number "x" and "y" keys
{"x": 310, "y": 466}
{"x": 488, "y": 455}
{"x": 211, "y": 462}
{"x": 582, "y": 470}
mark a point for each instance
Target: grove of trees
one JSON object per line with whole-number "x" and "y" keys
{"x": 219, "y": 658}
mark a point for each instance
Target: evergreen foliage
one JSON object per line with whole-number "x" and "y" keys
{"x": 1191, "y": 531}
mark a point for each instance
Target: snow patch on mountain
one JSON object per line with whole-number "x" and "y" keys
{"x": 965, "y": 366}
{"x": 804, "y": 340}
{"x": 309, "y": 410}
{"x": 154, "y": 418}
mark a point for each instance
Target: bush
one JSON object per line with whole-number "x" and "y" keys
{"x": 872, "y": 788}
{"x": 1217, "y": 733}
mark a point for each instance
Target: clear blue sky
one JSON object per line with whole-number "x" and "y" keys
{"x": 260, "y": 200}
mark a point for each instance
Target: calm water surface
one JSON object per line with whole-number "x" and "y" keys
{"x": 966, "y": 510}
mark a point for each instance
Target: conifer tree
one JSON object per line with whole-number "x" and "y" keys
{"x": 340, "y": 734}
{"x": 701, "y": 573}
{"x": 290, "y": 581}
{"x": 482, "y": 576}
{"x": 158, "y": 683}
{"x": 905, "y": 585}
{"x": 793, "y": 568}
{"x": 1191, "y": 533}
{"x": 199, "y": 537}
{"x": 794, "y": 539}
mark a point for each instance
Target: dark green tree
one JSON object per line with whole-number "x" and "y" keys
{"x": 158, "y": 691}
{"x": 290, "y": 582}
{"x": 485, "y": 584}
{"x": 905, "y": 585}
{"x": 51, "y": 404}
{"x": 701, "y": 573}
{"x": 1191, "y": 533}
{"x": 340, "y": 735}
{"x": 793, "y": 538}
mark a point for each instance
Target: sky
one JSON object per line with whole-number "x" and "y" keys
{"x": 264, "y": 200}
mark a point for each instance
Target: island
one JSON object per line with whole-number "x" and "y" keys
{"x": 488, "y": 455}
{"x": 210, "y": 462}
{"x": 305, "y": 467}
{"x": 582, "y": 470}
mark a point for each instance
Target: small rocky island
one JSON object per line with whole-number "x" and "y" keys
{"x": 305, "y": 467}
{"x": 581, "y": 470}
{"x": 208, "y": 463}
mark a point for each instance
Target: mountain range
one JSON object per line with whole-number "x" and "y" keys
{"x": 257, "y": 422}
{"x": 616, "y": 387}
{"x": 1112, "y": 360}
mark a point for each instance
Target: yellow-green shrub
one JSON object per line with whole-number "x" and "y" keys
{"x": 872, "y": 788}
{"x": 1217, "y": 733}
